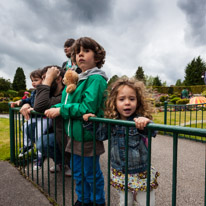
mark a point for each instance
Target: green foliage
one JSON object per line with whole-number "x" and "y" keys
{"x": 157, "y": 81}
{"x": 4, "y": 84}
{"x": 112, "y": 79}
{"x": 182, "y": 101}
{"x": 4, "y": 107}
{"x": 163, "y": 98}
{"x": 19, "y": 82}
{"x": 178, "y": 82}
{"x": 11, "y": 93}
{"x": 149, "y": 80}
{"x": 204, "y": 93}
{"x": 16, "y": 99}
{"x": 139, "y": 75}
{"x": 193, "y": 72}
{"x": 174, "y": 100}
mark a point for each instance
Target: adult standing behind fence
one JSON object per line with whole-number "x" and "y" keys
{"x": 69, "y": 64}
{"x": 48, "y": 94}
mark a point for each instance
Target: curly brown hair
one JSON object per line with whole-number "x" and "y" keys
{"x": 88, "y": 43}
{"x": 143, "y": 105}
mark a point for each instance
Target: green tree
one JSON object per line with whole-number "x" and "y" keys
{"x": 4, "y": 84}
{"x": 149, "y": 80}
{"x": 19, "y": 82}
{"x": 157, "y": 81}
{"x": 139, "y": 75}
{"x": 193, "y": 72}
{"x": 178, "y": 82}
{"x": 112, "y": 79}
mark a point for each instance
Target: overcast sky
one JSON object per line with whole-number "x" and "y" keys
{"x": 162, "y": 36}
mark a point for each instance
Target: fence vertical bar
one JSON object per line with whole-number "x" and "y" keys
{"x": 63, "y": 165}
{"x": 55, "y": 159}
{"x": 126, "y": 166}
{"x": 12, "y": 141}
{"x": 149, "y": 166}
{"x": 72, "y": 161}
{"x": 94, "y": 164}
{"x": 109, "y": 154}
{"x": 174, "y": 172}
{"x": 165, "y": 113}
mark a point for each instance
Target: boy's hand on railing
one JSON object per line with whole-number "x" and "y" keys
{"x": 13, "y": 104}
{"x": 141, "y": 122}
{"x": 25, "y": 111}
{"x": 52, "y": 113}
{"x": 86, "y": 116}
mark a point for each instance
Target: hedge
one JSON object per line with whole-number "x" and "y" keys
{"x": 4, "y": 107}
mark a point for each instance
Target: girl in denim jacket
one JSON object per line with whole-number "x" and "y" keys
{"x": 127, "y": 101}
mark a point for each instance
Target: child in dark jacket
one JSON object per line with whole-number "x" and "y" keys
{"x": 87, "y": 98}
{"x": 127, "y": 101}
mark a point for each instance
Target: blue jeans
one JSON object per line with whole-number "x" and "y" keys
{"x": 43, "y": 147}
{"x": 88, "y": 179}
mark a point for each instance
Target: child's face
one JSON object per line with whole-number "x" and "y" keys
{"x": 126, "y": 102}
{"x": 36, "y": 81}
{"x": 85, "y": 59}
{"x": 67, "y": 51}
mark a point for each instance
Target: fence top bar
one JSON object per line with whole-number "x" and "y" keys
{"x": 153, "y": 126}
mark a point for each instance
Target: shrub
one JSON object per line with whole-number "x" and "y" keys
{"x": 204, "y": 93}
{"x": 163, "y": 98}
{"x": 182, "y": 101}
{"x": 174, "y": 100}
{"x": 16, "y": 99}
{"x": 11, "y": 93}
{"x": 4, "y": 107}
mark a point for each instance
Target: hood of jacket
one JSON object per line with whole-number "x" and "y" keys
{"x": 89, "y": 72}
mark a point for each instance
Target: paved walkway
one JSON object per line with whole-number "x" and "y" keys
{"x": 17, "y": 191}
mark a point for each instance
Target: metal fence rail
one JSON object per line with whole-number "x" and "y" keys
{"x": 50, "y": 184}
{"x": 186, "y": 116}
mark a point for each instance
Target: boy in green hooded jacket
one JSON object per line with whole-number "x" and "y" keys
{"x": 87, "y": 98}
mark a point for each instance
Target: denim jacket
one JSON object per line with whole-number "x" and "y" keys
{"x": 137, "y": 150}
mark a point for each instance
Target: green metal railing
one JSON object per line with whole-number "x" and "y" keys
{"x": 16, "y": 122}
{"x": 186, "y": 116}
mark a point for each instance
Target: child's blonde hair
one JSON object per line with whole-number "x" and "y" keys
{"x": 143, "y": 105}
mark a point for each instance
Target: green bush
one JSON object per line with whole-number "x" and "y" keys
{"x": 182, "y": 101}
{"x": 4, "y": 107}
{"x": 174, "y": 100}
{"x": 204, "y": 93}
{"x": 11, "y": 93}
{"x": 163, "y": 98}
{"x": 16, "y": 99}
{"x": 172, "y": 96}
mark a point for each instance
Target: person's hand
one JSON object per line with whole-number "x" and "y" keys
{"x": 51, "y": 74}
{"x": 25, "y": 111}
{"x": 52, "y": 113}
{"x": 86, "y": 116}
{"x": 13, "y": 104}
{"x": 141, "y": 122}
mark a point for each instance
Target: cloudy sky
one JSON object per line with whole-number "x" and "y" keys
{"x": 162, "y": 36}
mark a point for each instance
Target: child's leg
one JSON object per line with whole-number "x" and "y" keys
{"x": 77, "y": 172}
{"x": 130, "y": 198}
{"x": 100, "y": 195}
{"x": 29, "y": 132}
{"x": 142, "y": 196}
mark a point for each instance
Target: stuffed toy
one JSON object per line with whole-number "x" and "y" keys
{"x": 70, "y": 80}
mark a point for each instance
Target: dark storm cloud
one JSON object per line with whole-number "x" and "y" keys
{"x": 196, "y": 17}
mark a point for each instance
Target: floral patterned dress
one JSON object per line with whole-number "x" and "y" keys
{"x": 136, "y": 182}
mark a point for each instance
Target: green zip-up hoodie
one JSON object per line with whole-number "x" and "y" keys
{"x": 88, "y": 97}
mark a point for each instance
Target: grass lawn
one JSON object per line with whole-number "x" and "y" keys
{"x": 4, "y": 139}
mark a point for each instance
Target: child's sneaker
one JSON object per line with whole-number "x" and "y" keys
{"x": 58, "y": 168}
{"x": 67, "y": 171}
{"x": 23, "y": 151}
{"x": 38, "y": 164}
